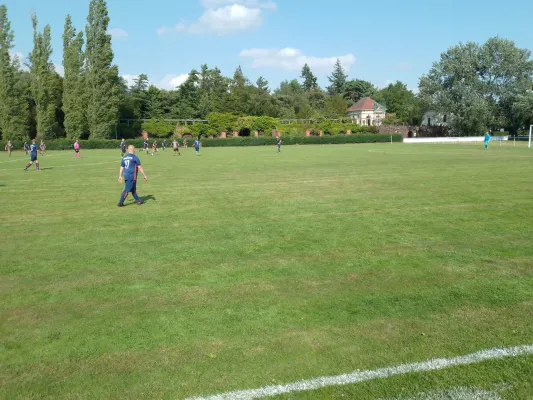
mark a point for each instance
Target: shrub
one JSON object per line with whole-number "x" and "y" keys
{"x": 67, "y": 144}
{"x": 160, "y": 129}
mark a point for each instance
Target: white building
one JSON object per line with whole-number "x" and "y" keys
{"x": 367, "y": 112}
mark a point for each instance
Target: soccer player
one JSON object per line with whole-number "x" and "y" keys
{"x": 197, "y": 146}
{"x": 278, "y": 142}
{"x": 76, "y": 149}
{"x": 145, "y": 145}
{"x": 164, "y": 144}
{"x": 128, "y": 171}
{"x": 154, "y": 147}
{"x": 487, "y": 140}
{"x": 33, "y": 156}
{"x": 26, "y": 148}
{"x": 176, "y": 147}
{"x": 123, "y": 148}
{"x": 43, "y": 147}
{"x": 9, "y": 146}
{"x": 185, "y": 143}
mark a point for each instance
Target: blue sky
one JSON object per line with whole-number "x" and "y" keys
{"x": 380, "y": 41}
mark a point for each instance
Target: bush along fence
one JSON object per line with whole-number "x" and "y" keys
{"x": 67, "y": 144}
{"x": 224, "y": 125}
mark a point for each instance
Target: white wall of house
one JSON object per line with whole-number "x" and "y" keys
{"x": 361, "y": 117}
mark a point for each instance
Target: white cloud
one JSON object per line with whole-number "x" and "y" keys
{"x": 171, "y": 82}
{"x": 59, "y": 69}
{"x": 118, "y": 33}
{"x": 222, "y": 17}
{"x": 293, "y": 59}
{"x": 129, "y": 78}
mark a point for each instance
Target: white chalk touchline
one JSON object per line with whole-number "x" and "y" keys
{"x": 362, "y": 376}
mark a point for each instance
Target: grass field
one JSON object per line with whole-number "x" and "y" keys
{"x": 248, "y": 268}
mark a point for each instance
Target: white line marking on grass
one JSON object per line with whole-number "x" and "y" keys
{"x": 459, "y": 393}
{"x": 363, "y": 376}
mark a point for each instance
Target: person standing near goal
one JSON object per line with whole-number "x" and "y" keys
{"x": 128, "y": 172}
{"x": 487, "y": 140}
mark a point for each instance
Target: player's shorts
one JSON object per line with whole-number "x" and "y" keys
{"x": 131, "y": 186}
{"x": 176, "y": 149}
{"x": 33, "y": 158}
{"x": 77, "y": 150}
{"x": 197, "y": 148}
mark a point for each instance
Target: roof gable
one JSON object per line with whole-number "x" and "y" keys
{"x": 366, "y": 104}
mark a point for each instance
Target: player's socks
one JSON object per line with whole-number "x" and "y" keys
{"x": 27, "y": 166}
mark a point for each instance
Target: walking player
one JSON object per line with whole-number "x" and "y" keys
{"x": 33, "y": 156}
{"x": 487, "y": 140}
{"x": 128, "y": 170}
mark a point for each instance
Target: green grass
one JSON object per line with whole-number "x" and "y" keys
{"x": 246, "y": 268}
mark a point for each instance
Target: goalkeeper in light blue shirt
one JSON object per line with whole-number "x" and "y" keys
{"x": 487, "y": 140}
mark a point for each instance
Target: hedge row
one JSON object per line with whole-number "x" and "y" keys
{"x": 67, "y": 144}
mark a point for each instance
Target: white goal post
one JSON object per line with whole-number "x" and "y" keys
{"x": 530, "y": 132}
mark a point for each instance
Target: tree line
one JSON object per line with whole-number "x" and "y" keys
{"x": 485, "y": 86}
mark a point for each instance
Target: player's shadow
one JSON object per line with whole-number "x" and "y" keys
{"x": 147, "y": 198}
{"x": 47, "y": 168}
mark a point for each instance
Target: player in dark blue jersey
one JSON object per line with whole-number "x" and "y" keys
{"x": 33, "y": 156}
{"x": 197, "y": 146}
{"x": 26, "y": 148}
{"x": 123, "y": 148}
{"x": 128, "y": 171}
{"x": 278, "y": 142}
{"x": 164, "y": 144}
{"x": 145, "y": 145}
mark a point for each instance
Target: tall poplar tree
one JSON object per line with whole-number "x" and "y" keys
{"x": 43, "y": 82}
{"x": 101, "y": 75}
{"x": 74, "y": 87}
{"x": 14, "y": 111}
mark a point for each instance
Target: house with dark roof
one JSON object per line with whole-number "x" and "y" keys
{"x": 367, "y": 112}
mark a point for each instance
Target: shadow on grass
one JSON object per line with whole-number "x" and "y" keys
{"x": 147, "y": 198}
{"x": 47, "y": 168}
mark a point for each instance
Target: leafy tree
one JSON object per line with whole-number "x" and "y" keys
{"x": 222, "y": 122}
{"x": 401, "y": 102}
{"x": 262, "y": 84}
{"x": 43, "y": 82}
{"x": 101, "y": 76}
{"x": 336, "y": 106}
{"x": 356, "y": 89}
{"x": 153, "y": 103}
{"x": 188, "y": 96}
{"x": 309, "y": 80}
{"x": 337, "y": 79}
{"x": 14, "y": 112}
{"x": 74, "y": 87}
{"x": 139, "y": 97}
{"x": 478, "y": 85}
